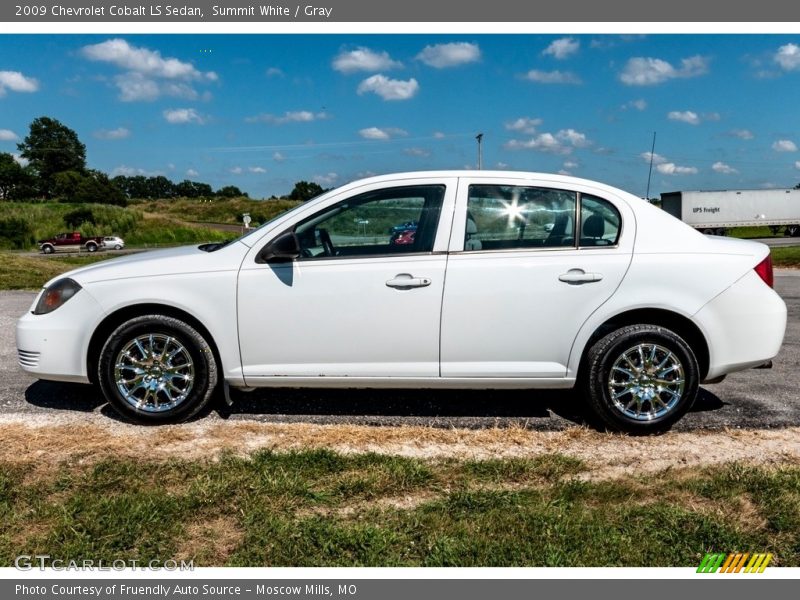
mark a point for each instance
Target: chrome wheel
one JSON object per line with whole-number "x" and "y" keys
{"x": 646, "y": 382}
{"x": 154, "y": 372}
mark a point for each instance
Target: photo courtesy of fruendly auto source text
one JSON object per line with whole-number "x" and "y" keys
{"x": 385, "y": 300}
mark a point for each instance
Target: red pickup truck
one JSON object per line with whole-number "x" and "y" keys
{"x": 70, "y": 242}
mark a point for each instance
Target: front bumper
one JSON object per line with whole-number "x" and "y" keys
{"x": 54, "y": 346}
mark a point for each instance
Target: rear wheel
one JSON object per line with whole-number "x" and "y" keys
{"x": 640, "y": 379}
{"x": 48, "y": 249}
{"x": 91, "y": 247}
{"x": 157, "y": 369}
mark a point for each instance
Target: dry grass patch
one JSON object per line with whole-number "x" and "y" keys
{"x": 210, "y": 542}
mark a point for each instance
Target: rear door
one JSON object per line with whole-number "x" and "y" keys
{"x": 529, "y": 262}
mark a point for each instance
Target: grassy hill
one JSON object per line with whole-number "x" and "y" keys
{"x": 143, "y": 223}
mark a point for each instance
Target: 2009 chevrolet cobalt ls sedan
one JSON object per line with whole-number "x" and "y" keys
{"x": 423, "y": 280}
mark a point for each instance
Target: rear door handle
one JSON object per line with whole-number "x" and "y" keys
{"x": 405, "y": 281}
{"x": 579, "y": 276}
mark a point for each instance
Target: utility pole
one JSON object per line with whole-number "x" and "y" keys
{"x": 650, "y": 172}
{"x": 479, "y": 137}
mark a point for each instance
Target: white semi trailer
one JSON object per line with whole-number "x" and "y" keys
{"x": 715, "y": 212}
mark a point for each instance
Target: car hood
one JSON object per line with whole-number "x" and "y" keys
{"x": 158, "y": 263}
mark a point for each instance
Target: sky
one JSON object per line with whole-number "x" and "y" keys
{"x": 263, "y": 111}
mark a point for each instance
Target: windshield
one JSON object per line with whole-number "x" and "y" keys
{"x": 243, "y": 237}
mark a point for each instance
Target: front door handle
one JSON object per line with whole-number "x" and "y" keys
{"x": 406, "y": 281}
{"x": 579, "y": 276}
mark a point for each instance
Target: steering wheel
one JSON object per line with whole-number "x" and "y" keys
{"x": 327, "y": 244}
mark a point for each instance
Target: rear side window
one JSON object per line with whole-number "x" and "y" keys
{"x": 600, "y": 222}
{"x": 503, "y": 217}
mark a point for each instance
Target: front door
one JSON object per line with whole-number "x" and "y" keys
{"x": 363, "y": 300}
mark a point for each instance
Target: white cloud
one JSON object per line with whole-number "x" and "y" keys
{"x": 439, "y": 135}
{"x": 669, "y": 168}
{"x": 17, "y": 82}
{"x": 657, "y": 158}
{"x": 183, "y": 115}
{"x": 236, "y": 170}
{"x": 363, "y": 59}
{"x": 742, "y": 134}
{"x": 570, "y": 164}
{"x": 119, "y": 133}
{"x": 389, "y": 89}
{"x": 725, "y": 169}
{"x": 640, "y": 104}
{"x": 442, "y": 56}
{"x": 419, "y": 152}
{"x": 131, "y": 171}
{"x": 685, "y": 116}
{"x": 278, "y": 157}
{"x": 378, "y": 133}
{"x": 566, "y": 77}
{"x": 797, "y": 164}
{"x": 652, "y": 71}
{"x": 575, "y": 138}
{"x": 712, "y": 116}
{"x": 562, "y": 48}
{"x": 292, "y": 116}
{"x": 23, "y": 162}
{"x": 192, "y": 173}
{"x": 784, "y": 146}
{"x": 274, "y": 72}
{"x": 788, "y": 57}
{"x": 326, "y": 180}
{"x": 256, "y": 170}
{"x": 6, "y": 135}
{"x": 148, "y": 75}
{"x": 524, "y": 124}
{"x": 561, "y": 143}
{"x": 141, "y": 60}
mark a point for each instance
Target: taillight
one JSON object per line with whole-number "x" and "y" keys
{"x": 764, "y": 270}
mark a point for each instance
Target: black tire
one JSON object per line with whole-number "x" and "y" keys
{"x": 196, "y": 358}
{"x": 91, "y": 247}
{"x": 608, "y": 354}
{"x": 117, "y": 247}
{"x": 48, "y": 249}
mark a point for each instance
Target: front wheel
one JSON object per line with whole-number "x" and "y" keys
{"x": 640, "y": 379}
{"x": 157, "y": 369}
{"x": 91, "y": 247}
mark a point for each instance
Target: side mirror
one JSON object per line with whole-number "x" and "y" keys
{"x": 285, "y": 247}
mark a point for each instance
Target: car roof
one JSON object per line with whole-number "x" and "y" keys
{"x": 549, "y": 178}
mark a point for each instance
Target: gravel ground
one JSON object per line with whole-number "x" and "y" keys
{"x": 755, "y": 399}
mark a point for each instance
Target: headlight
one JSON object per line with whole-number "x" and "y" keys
{"x": 55, "y": 295}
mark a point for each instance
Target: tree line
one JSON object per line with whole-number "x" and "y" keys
{"x": 54, "y": 168}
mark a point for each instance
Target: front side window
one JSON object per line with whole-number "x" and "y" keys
{"x": 397, "y": 220}
{"x": 503, "y": 217}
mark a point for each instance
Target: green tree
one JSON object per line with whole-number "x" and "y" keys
{"x": 51, "y": 148}
{"x": 231, "y": 191}
{"x": 12, "y": 175}
{"x": 305, "y": 190}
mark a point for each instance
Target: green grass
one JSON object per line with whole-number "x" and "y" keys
{"x": 786, "y": 256}
{"x": 24, "y": 272}
{"x": 320, "y": 508}
{"x": 141, "y": 224}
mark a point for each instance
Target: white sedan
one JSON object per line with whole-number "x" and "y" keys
{"x": 455, "y": 279}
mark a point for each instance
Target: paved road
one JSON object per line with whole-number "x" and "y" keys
{"x": 751, "y": 399}
{"x": 779, "y": 241}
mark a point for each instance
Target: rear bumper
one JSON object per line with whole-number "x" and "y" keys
{"x": 53, "y": 346}
{"x": 744, "y": 326}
